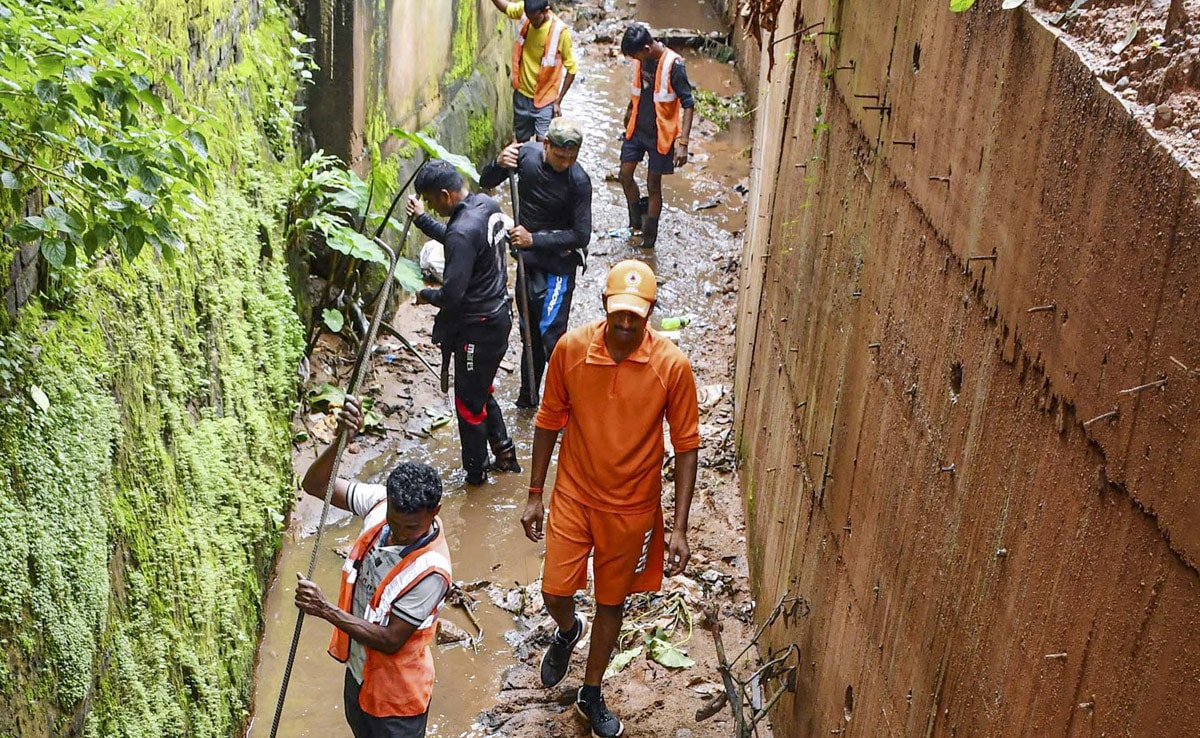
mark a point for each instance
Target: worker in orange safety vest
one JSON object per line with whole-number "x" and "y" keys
{"x": 393, "y": 583}
{"x": 543, "y": 66}
{"x": 658, "y": 122}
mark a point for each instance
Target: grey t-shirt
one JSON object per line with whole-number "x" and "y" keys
{"x": 415, "y": 605}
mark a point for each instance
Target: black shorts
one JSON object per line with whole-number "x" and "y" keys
{"x": 634, "y": 149}
{"x": 369, "y": 726}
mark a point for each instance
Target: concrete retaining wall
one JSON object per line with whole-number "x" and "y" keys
{"x": 913, "y": 438}
{"x": 409, "y": 63}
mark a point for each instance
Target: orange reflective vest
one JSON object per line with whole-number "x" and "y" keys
{"x": 666, "y": 103}
{"x": 398, "y": 684}
{"x": 550, "y": 69}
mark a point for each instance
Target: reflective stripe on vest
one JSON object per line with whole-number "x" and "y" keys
{"x": 550, "y": 70}
{"x": 398, "y": 684}
{"x": 666, "y": 102}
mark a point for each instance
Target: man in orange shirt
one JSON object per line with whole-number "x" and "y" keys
{"x": 610, "y": 384}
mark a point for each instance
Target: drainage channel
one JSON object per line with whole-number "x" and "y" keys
{"x": 703, "y": 212}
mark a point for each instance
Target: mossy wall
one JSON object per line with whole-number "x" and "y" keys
{"x": 141, "y": 509}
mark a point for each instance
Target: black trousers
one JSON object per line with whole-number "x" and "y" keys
{"x": 369, "y": 726}
{"x": 549, "y": 297}
{"x": 479, "y": 346}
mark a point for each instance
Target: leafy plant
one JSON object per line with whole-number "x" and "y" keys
{"x": 720, "y": 110}
{"x": 435, "y": 150}
{"x": 112, "y": 154}
{"x": 665, "y": 652}
{"x": 332, "y": 205}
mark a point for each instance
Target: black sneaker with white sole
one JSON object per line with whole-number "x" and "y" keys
{"x": 557, "y": 658}
{"x": 600, "y": 719}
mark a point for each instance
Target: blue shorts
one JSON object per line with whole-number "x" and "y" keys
{"x": 634, "y": 149}
{"x": 530, "y": 122}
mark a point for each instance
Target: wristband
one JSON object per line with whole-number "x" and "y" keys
{"x": 536, "y": 490}
{"x": 682, "y": 141}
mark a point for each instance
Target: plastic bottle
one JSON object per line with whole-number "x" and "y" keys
{"x": 675, "y": 322}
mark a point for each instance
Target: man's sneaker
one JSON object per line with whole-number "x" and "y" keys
{"x": 557, "y": 658}
{"x": 600, "y": 719}
{"x": 506, "y": 460}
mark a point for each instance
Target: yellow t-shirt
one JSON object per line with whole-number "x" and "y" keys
{"x": 535, "y": 44}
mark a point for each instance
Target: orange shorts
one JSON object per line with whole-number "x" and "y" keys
{"x": 629, "y": 550}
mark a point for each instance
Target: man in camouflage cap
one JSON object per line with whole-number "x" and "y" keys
{"x": 555, "y": 228}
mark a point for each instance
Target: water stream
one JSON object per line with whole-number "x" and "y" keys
{"x": 482, "y": 525}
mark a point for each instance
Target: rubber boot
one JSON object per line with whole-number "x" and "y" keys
{"x": 506, "y": 458}
{"x": 635, "y": 216}
{"x": 649, "y": 231}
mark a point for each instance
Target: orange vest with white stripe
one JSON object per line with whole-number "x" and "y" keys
{"x": 550, "y": 68}
{"x": 398, "y": 684}
{"x": 666, "y": 102}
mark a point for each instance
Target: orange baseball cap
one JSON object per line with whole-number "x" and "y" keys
{"x": 630, "y": 287}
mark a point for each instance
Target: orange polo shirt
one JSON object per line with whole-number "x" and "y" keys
{"x": 612, "y": 451}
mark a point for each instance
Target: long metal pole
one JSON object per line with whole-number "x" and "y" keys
{"x": 356, "y": 378}
{"x": 523, "y": 296}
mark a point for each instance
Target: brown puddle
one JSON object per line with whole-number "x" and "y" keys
{"x": 482, "y": 524}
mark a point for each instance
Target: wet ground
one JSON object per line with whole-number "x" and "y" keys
{"x": 696, "y": 263}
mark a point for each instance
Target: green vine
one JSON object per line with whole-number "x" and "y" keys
{"x": 90, "y": 133}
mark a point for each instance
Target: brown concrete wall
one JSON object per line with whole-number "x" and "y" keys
{"x": 413, "y": 64}
{"x": 874, "y": 353}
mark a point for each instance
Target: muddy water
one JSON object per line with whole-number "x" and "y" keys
{"x": 481, "y": 524}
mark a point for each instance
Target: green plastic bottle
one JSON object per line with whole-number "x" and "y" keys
{"x": 675, "y": 322}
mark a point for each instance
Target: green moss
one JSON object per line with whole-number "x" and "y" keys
{"x": 142, "y": 506}
{"x": 481, "y": 134}
{"x": 464, "y": 46}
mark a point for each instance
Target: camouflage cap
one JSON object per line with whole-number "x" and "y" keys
{"x": 565, "y": 132}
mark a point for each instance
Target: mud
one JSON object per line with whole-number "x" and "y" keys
{"x": 1148, "y": 54}
{"x": 492, "y": 690}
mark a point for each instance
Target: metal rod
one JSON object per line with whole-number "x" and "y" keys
{"x": 1140, "y": 387}
{"x": 1110, "y": 414}
{"x": 355, "y": 380}
{"x": 523, "y": 297}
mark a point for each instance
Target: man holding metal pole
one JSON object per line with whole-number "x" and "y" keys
{"x": 474, "y": 319}
{"x": 395, "y": 579}
{"x": 553, "y": 232}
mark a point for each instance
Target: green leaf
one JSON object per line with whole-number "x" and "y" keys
{"x": 135, "y": 238}
{"x": 47, "y": 91}
{"x": 141, "y": 198}
{"x": 54, "y": 251}
{"x": 434, "y": 149}
{"x": 959, "y": 6}
{"x": 39, "y": 398}
{"x": 346, "y": 199}
{"x": 128, "y": 165}
{"x": 199, "y": 143}
{"x": 325, "y": 396}
{"x": 352, "y": 243}
{"x": 408, "y": 274}
{"x": 667, "y": 653}
{"x": 333, "y": 320}
{"x": 10, "y": 181}
{"x": 621, "y": 660}
{"x": 24, "y": 231}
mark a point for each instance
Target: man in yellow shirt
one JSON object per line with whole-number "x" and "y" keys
{"x": 543, "y": 66}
